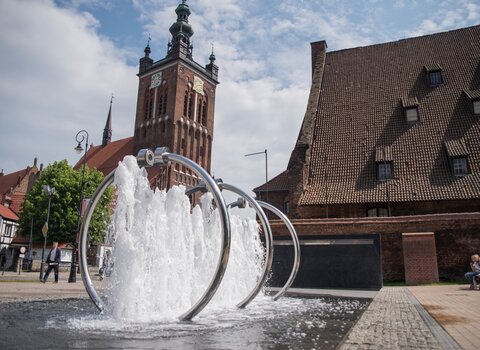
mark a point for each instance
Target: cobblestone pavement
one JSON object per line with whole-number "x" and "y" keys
{"x": 395, "y": 320}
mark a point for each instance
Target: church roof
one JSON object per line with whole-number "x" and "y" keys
{"x": 106, "y": 158}
{"x": 361, "y": 121}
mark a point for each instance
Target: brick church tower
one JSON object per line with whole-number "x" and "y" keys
{"x": 176, "y": 103}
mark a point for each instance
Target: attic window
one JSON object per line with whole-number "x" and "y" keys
{"x": 474, "y": 97}
{"x": 476, "y": 107}
{"x": 410, "y": 109}
{"x": 411, "y": 114}
{"x": 460, "y": 166}
{"x": 458, "y": 153}
{"x": 435, "y": 78}
{"x": 384, "y": 162}
{"x": 385, "y": 171}
{"x": 434, "y": 74}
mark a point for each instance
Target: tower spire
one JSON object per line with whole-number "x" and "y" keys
{"x": 181, "y": 32}
{"x": 107, "y": 132}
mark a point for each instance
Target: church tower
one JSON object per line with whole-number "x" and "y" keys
{"x": 176, "y": 103}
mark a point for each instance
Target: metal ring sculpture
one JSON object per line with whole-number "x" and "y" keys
{"x": 268, "y": 236}
{"x": 147, "y": 158}
{"x": 296, "y": 247}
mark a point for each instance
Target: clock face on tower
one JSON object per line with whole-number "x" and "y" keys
{"x": 156, "y": 80}
{"x": 197, "y": 85}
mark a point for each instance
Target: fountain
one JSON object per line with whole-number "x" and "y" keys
{"x": 183, "y": 277}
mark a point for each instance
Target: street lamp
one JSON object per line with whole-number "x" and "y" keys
{"x": 81, "y": 136}
{"x": 49, "y": 191}
{"x": 266, "y": 169}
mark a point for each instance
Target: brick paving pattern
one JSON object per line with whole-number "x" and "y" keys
{"x": 456, "y": 309}
{"x": 391, "y": 322}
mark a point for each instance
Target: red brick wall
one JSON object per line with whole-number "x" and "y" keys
{"x": 420, "y": 258}
{"x": 457, "y": 237}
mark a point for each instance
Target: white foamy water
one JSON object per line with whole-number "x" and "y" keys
{"x": 165, "y": 252}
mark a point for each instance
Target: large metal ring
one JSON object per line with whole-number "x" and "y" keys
{"x": 268, "y": 237}
{"x": 296, "y": 246}
{"x": 163, "y": 157}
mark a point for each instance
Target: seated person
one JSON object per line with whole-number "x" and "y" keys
{"x": 470, "y": 276}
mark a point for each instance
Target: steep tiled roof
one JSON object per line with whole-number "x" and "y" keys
{"x": 106, "y": 158}
{"x": 361, "y": 112}
{"x": 278, "y": 183}
{"x": 6, "y": 213}
{"x": 11, "y": 180}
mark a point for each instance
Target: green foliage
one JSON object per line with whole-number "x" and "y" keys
{"x": 64, "y": 204}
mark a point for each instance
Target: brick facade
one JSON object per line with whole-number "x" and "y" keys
{"x": 457, "y": 237}
{"x": 420, "y": 258}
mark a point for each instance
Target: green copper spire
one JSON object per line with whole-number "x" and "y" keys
{"x": 181, "y": 30}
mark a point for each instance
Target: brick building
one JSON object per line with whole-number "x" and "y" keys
{"x": 385, "y": 173}
{"x": 175, "y": 109}
{"x": 15, "y": 186}
{"x": 390, "y": 130}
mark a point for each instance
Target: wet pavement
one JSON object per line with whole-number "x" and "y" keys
{"x": 421, "y": 317}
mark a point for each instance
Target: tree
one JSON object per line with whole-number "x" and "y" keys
{"x": 62, "y": 225}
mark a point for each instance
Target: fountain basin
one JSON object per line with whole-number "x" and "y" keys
{"x": 319, "y": 323}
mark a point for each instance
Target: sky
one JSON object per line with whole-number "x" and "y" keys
{"x": 62, "y": 60}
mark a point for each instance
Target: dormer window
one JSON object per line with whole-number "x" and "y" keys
{"x": 474, "y": 97}
{"x": 435, "y": 78}
{"x": 434, "y": 75}
{"x": 460, "y": 166}
{"x": 384, "y": 163}
{"x": 476, "y": 107}
{"x": 410, "y": 109}
{"x": 384, "y": 171}
{"x": 458, "y": 155}
{"x": 411, "y": 114}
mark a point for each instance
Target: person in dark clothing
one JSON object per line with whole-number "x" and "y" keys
{"x": 53, "y": 261}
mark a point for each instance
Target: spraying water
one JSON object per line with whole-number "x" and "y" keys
{"x": 165, "y": 253}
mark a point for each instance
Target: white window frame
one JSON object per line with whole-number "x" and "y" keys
{"x": 384, "y": 171}
{"x": 411, "y": 114}
{"x": 460, "y": 166}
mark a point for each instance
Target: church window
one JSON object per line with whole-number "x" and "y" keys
{"x": 165, "y": 97}
{"x": 183, "y": 144}
{"x": 190, "y": 105}
{"x": 185, "y": 104}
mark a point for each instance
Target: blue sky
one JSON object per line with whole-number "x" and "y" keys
{"x": 62, "y": 59}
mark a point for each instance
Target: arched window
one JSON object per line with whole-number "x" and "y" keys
{"x": 185, "y": 104}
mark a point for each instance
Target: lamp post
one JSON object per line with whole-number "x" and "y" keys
{"x": 49, "y": 191}
{"x": 81, "y": 136}
{"x": 266, "y": 169}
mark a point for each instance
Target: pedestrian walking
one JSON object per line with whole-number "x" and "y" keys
{"x": 53, "y": 261}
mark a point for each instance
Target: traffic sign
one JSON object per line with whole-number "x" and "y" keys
{"x": 45, "y": 230}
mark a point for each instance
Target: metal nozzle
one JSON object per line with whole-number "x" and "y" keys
{"x": 145, "y": 158}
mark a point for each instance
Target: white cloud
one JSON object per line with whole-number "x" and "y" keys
{"x": 57, "y": 77}
{"x": 447, "y": 16}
